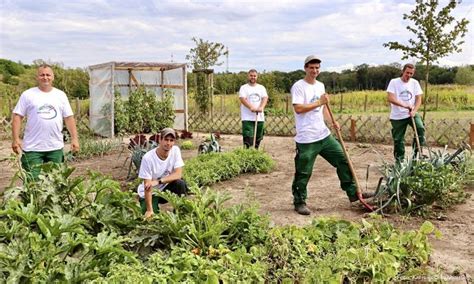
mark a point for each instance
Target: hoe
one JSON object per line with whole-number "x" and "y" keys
{"x": 339, "y": 136}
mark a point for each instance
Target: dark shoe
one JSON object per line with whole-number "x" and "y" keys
{"x": 365, "y": 195}
{"x": 302, "y": 209}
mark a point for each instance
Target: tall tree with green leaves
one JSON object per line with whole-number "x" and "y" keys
{"x": 437, "y": 35}
{"x": 205, "y": 55}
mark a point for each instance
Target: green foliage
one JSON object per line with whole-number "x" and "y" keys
{"x": 437, "y": 35}
{"x": 121, "y": 116}
{"x": 434, "y": 41}
{"x": 332, "y": 250}
{"x": 419, "y": 186}
{"x": 465, "y": 75}
{"x": 186, "y": 145}
{"x": 206, "y": 54}
{"x": 91, "y": 147}
{"x": 64, "y": 229}
{"x": 202, "y": 94}
{"x": 213, "y": 167}
{"x": 201, "y": 223}
{"x": 10, "y": 71}
{"x": 143, "y": 112}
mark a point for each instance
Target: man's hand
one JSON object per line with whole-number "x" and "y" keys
{"x": 324, "y": 99}
{"x": 17, "y": 146}
{"x": 150, "y": 183}
{"x": 336, "y": 125}
{"x": 148, "y": 214}
{"x": 75, "y": 145}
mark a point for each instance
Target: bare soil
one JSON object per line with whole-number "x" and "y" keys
{"x": 454, "y": 252}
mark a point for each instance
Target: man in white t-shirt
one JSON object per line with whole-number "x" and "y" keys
{"x": 253, "y": 98}
{"x": 45, "y": 107}
{"x": 313, "y": 138}
{"x": 404, "y": 95}
{"x": 161, "y": 169}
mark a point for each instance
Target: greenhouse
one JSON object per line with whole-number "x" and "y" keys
{"x": 110, "y": 78}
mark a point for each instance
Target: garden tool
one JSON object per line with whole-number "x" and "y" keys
{"x": 351, "y": 167}
{"x": 464, "y": 146}
{"x": 255, "y": 130}
{"x": 416, "y": 137}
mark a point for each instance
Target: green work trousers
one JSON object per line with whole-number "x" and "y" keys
{"x": 331, "y": 150}
{"x": 399, "y": 128}
{"x": 32, "y": 161}
{"x": 248, "y": 129}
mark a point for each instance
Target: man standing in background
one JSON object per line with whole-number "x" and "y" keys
{"x": 45, "y": 107}
{"x": 404, "y": 95}
{"x": 253, "y": 98}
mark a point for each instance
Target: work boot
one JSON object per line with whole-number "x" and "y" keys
{"x": 302, "y": 209}
{"x": 365, "y": 195}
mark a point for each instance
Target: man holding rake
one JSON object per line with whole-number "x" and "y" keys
{"x": 404, "y": 95}
{"x": 313, "y": 138}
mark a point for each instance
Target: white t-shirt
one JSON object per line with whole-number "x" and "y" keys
{"x": 310, "y": 126}
{"x": 405, "y": 92}
{"x": 44, "y": 114}
{"x": 152, "y": 167}
{"x": 254, "y": 95}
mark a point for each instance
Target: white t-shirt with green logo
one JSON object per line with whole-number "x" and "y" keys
{"x": 254, "y": 95}
{"x": 310, "y": 126}
{"x": 44, "y": 112}
{"x": 404, "y": 92}
{"x": 152, "y": 167}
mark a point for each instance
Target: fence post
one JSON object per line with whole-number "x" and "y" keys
{"x": 287, "y": 99}
{"x": 340, "y": 106}
{"x": 353, "y": 130}
{"x": 10, "y": 105}
{"x": 365, "y": 102}
{"x": 472, "y": 135}
{"x": 437, "y": 100}
{"x": 222, "y": 103}
{"x": 78, "y": 109}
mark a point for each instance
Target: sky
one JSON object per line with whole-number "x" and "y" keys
{"x": 265, "y": 35}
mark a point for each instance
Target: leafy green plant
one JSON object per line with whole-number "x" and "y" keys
{"x": 186, "y": 145}
{"x": 121, "y": 116}
{"x": 64, "y": 229}
{"x": 147, "y": 114}
{"x": 416, "y": 186}
{"x": 213, "y": 167}
{"x": 91, "y": 147}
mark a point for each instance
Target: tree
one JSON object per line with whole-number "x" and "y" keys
{"x": 465, "y": 75}
{"x": 206, "y": 54}
{"x": 434, "y": 39}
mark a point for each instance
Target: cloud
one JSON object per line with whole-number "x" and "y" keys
{"x": 267, "y": 35}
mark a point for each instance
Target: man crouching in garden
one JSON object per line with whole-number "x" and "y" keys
{"x": 161, "y": 168}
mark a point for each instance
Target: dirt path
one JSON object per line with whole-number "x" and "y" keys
{"x": 454, "y": 252}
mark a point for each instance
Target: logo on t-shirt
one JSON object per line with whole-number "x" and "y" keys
{"x": 254, "y": 98}
{"x": 47, "y": 111}
{"x": 313, "y": 99}
{"x": 406, "y": 95}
